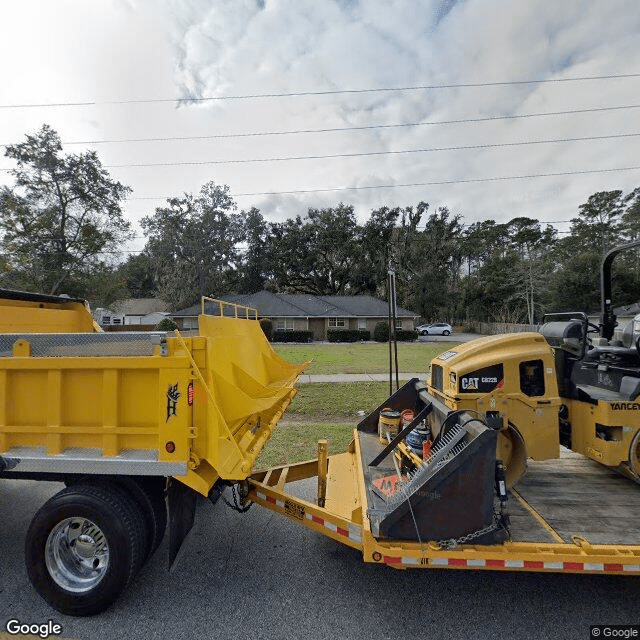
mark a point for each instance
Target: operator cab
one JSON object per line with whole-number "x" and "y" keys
{"x": 594, "y": 368}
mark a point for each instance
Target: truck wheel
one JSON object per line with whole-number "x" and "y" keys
{"x": 149, "y": 496}
{"x": 84, "y": 547}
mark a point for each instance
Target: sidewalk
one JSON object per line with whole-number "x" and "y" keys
{"x": 358, "y": 377}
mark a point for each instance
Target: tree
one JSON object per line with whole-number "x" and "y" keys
{"x": 256, "y": 258}
{"x": 62, "y": 217}
{"x": 598, "y": 223}
{"x": 194, "y": 242}
{"x": 137, "y": 275}
{"x": 317, "y": 254}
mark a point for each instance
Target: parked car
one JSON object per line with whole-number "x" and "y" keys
{"x": 435, "y": 329}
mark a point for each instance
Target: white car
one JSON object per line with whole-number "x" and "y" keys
{"x": 435, "y": 329}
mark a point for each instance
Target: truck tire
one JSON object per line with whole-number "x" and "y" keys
{"x": 149, "y": 496}
{"x": 84, "y": 547}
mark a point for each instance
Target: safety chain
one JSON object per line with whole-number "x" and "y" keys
{"x": 454, "y": 543}
{"x": 237, "y": 500}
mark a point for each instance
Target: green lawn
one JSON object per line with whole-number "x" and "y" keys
{"x": 331, "y": 401}
{"x": 330, "y": 410}
{"x": 362, "y": 357}
{"x": 295, "y": 442}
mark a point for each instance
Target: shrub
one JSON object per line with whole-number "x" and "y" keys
{"x": 292, "y": 336}
{"x": 166, "y": 324}
{"x": 267, "y": 328}
{"x": 381, "y": 333}
{"x": 406, "y": 335}
{"x": 348, "y": 335}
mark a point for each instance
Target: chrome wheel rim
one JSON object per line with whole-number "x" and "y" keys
{"x": 77, "y": 554}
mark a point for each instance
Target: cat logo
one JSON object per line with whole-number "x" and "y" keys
{"x": 469, "y": 384}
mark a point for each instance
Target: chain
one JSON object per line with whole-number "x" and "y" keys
{"x": 237, "y": 501}
{"x": 453, "y": 543}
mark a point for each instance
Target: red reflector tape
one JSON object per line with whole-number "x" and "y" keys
{"x": 494, "y": 563}
{"x": 533, "y": 564}
{"x": 457, "y": 562}
{"x": 613, "y": 567}
{"x": 573, "y": 566}
{"x": 392, "y": 560}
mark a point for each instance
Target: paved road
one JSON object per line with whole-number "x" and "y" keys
{"x": 259, "y": 576}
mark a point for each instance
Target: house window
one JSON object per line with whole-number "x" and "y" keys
{"x": 337, "y": 322}
{"x": 362, "y": 323}
{"x": 284, "y": 324}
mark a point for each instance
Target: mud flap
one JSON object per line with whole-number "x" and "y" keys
{"x": 182, "y": 511}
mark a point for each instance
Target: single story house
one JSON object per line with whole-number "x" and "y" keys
{"x": 305, "y": 312}
{"x": 133, "y": 311}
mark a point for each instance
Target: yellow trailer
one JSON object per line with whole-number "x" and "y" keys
{"x": 138, "y": 425}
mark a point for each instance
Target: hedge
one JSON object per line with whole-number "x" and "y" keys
{"x": 348, "y": 335}
{"x": 381, "y": 333}
{"x": 166, "y": 324}
{"x": 267, "y": 328}
{"x": 292, "y": 336}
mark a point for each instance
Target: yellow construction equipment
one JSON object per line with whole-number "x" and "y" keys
{"x": 573, "y": 384}
{"x": 140, "y": 424}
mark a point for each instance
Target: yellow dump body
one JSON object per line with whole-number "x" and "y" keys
{"x": 198, "y": 408}
{"x": 22, "y": 312}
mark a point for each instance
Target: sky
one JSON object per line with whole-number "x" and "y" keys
{"x": 256, "y": 94}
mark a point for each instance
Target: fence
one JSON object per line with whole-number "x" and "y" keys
{"x": 493, "y": 328}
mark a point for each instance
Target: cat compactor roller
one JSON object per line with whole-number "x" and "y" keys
{"x": 573, "y": 384}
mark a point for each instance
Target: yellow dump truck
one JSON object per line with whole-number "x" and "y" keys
{"x": 139, "y": 424}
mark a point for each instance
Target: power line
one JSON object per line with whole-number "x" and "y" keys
{"x": 367, "y": 153}
{"x": 342, "y": 129}
{"x": 297, "y": 94}
{"x": 441, "y": 182}
{"x": 417, "y": 184}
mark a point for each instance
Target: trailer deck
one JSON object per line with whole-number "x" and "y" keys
{"x": 567, "y": 515}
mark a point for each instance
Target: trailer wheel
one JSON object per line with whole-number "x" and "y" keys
{"x": 84, "y": 547}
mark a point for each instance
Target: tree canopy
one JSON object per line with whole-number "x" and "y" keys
{"x": 62, "y": 220}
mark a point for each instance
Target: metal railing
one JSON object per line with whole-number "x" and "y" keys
{"x": 239, "y": 310}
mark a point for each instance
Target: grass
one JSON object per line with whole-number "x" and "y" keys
{"x": 330, "y": 410}
{"x": 331, "y": 401}
{"x": 295, "y": 442}
{"x": 323, "y": 410}
{"x": 361, "y": 357}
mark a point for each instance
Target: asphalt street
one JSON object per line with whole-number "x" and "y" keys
{"x": 260, "y": 576}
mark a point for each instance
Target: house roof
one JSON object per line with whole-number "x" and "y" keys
{"x": 302, "y": 305}
{"x": 139, "y": 306}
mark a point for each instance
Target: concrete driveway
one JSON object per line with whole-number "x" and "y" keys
{"x": 260, "y": 576}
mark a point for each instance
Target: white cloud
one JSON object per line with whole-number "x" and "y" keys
{"x": 111, "y": 50}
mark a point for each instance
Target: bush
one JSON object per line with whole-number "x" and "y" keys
{"x": 381, "y": 333}
{"x": 406, "y": 335}
{"x": 267, "y": 328}
{"x": 166, "y": 324}
{"x": 348, "y": 335}
{"x": 292, "y": 336}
